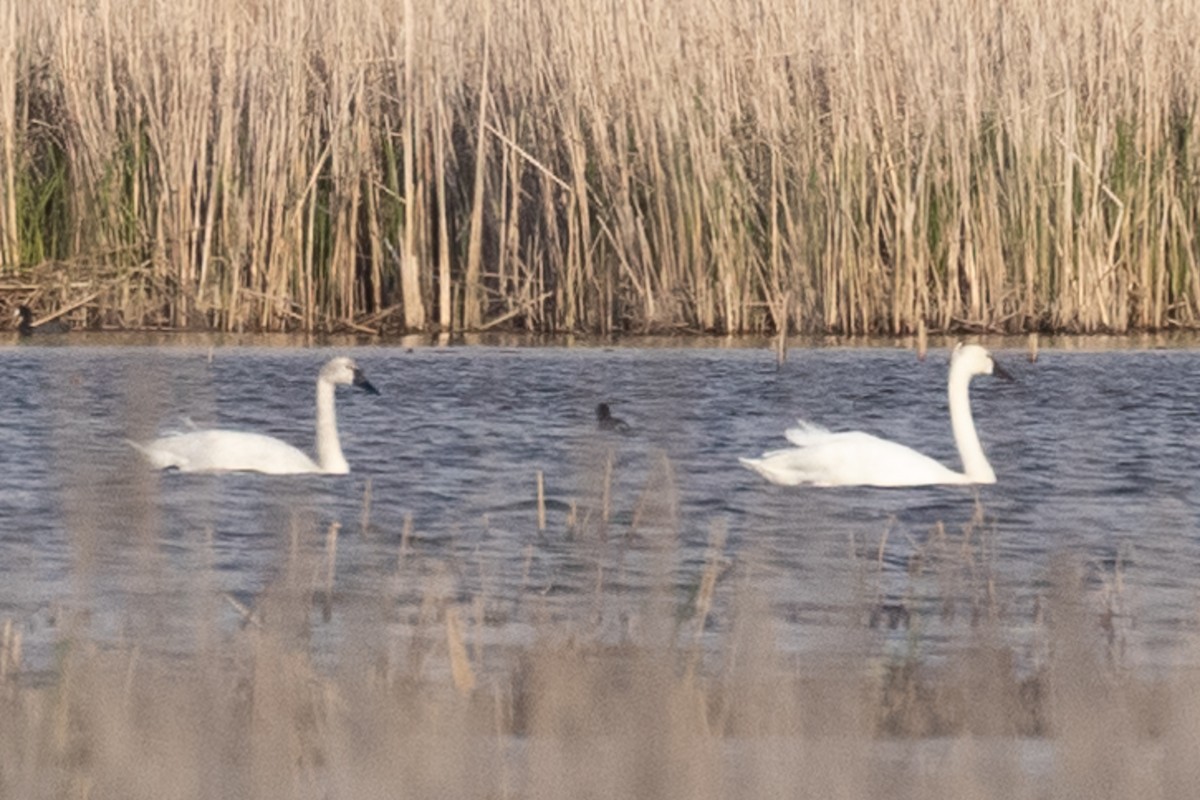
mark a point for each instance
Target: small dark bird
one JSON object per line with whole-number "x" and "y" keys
{"x": 26, "y": 327}
{"x": 608, "y": 422}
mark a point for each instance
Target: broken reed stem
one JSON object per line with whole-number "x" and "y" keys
{"x": 249, "y": 617}
{"x": 541, "y": 502}
{"x": 922, "y": 340}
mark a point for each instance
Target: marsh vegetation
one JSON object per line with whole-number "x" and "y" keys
{"x": 310, "y": 689}
{"x": 744, "y": 166}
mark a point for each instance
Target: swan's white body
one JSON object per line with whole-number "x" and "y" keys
{"x": 853, "y": 458}
{"x": 240, "y": 451}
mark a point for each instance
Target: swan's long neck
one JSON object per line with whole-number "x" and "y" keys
{"x": 329, "y": 446}
{"x": 975, "y": 463}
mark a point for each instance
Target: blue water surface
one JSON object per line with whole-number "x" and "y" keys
{"x": 1093, "y": 451}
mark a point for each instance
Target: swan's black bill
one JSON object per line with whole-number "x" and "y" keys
{"x": 362, "y": 383}
{"x": 1001, "y": 371}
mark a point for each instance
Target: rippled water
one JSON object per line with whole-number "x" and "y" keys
{"x": 1093, "y": 451}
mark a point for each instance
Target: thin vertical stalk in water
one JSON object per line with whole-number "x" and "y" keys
{"x": 460, "y": 663}
{"x": 606, "y": 492}
{"x": 331, "y": 539}
{"x": 365, "y": 516}
{"x": 10, "y": 650}
{"x": 708, "y": 580}
{"x": 406, "y": 534}
{"x": 541, "y": 501}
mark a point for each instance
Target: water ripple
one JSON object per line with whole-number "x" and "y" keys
{"x": 1093, "y": 452}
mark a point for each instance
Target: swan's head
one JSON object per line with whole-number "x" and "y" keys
{"x": 975, "y": 360}
{"x": 344, "y": 371}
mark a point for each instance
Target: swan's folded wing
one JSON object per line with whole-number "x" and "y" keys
{"x": 808, "y": 433}
{"x": 848, "y": 458}
{"x": 790, "y": 466}
{"x": 226, "y": 451}
{"x": 824, "y": 458}
{"x": 159, "y": 457}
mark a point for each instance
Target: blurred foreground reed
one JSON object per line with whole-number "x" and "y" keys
{"x": 412, "y": 694}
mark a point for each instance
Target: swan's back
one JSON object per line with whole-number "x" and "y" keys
{"x": 848, "y": 458}
{"x": 226, "y": 451}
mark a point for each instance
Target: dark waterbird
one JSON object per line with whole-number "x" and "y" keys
{"x": 26, "y": 327}
{"x": 608, "y": 422}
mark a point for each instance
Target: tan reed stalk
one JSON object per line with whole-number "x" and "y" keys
{"x": 10, "y": 129}
{"x": 541, "y": 502}
{"x": 460, "y": 663}
{"x": 440, "y": 136}
{"x": 713, "y": 566}
{"x": 406, "y": 534}
{"x": 414, "y": 126}
{"x": 606, "y": 488}
{"x": 331, "y": 539}
{"x": 473, "y": 299}
{"x": 10, "y": 650}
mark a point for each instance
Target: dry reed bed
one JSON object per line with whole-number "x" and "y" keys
{"x": 752, "y": 165}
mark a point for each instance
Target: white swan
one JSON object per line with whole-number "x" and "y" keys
{"x": 854, "y": 458}
{"x": 228, "y": 451}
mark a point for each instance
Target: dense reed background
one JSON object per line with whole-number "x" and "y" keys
{"x": 751, "y": 165}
